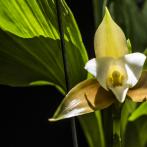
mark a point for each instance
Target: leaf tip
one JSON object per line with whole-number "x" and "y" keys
{"x": 52, "y": 119}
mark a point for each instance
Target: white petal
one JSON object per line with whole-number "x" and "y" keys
{"x": 99, "y": 68}
{"x": 120, "y": 93}
{"x": 134, "y": 64}
{"x": 103, "y": 66}
{"x": 91, "y": 67}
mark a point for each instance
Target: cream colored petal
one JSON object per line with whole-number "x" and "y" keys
{"x": 84, "y": 98}
{"x": 91, "y": 67}
{"x": 139, "y": 92}
{"x": 134, "y": 63}
{"x": 109, "y": 39}
{"x": 103, "y": 66}
{"x": 120, "y": 92}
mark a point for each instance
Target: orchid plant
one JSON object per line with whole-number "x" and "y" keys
{"x": 116, "y": 71}
{"x": 33, "y": 35}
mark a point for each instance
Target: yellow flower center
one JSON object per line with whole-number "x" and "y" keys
{"x": 116, "y": 77}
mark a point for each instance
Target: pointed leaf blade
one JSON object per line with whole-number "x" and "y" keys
{"x": 29, "y": 18}
{"x": 93, "y": 129}
{"x": 24, "y": 61}
{"x": 128, "y": 108}
{"x": 140, "y": 111}
{"x": 33, "y": 45}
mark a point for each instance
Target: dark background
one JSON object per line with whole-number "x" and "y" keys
{"x": 24, "y": 112}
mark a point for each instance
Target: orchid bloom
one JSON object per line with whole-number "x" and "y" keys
{"x": 114, "y": 68}
{"x": 115, "y": 71}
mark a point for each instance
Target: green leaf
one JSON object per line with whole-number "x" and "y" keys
{"x": 145, "y": 52}
{"x": 76, "y": 58}
{"x": 136, "y": 133}
{"x": 127, "y": 109}
{"x": 30, "y": 50}
{"x": 141, "y": 110}
{"x": 29, "y": 18}
{"x": 24, "y": 61}
{"x": 129, "y": 45}
{"x": 93, "y": 129}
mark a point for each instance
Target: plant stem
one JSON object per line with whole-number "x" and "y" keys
{"x": 111, "y": 123}
{"x": 108, "y": 126}
{"x": 116, "y": 125}
{"x": 100, "y": 127}
{"x": 61, "y": 30}
{"x": 74, "y": 132}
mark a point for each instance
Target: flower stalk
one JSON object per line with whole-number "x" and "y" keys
{"x": 59, "y": 12}
{"x": 116, "y": 115}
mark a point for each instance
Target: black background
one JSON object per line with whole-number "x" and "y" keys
{"x": 24, "y": 112}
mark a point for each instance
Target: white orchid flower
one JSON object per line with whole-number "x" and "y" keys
{"x": 113, "y": 67}
{"x": 114, "y": 70}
